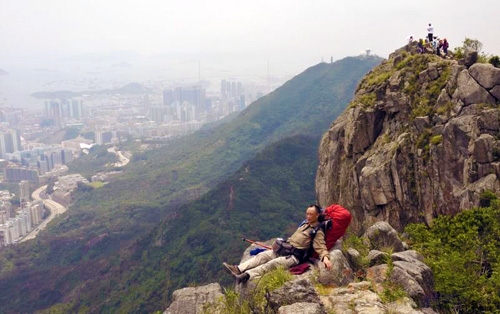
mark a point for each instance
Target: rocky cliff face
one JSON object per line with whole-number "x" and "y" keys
{"x": 420, "y": 139}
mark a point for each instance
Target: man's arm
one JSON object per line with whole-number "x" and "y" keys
{"x": 319, "y": 246}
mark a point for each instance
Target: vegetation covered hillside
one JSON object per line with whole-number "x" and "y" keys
{"x": 79, "y": 259}
{"x": 266, "y": 197}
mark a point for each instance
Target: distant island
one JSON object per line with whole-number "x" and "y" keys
{"x": 131, "y": 89}
{"x": 3, "y": 72}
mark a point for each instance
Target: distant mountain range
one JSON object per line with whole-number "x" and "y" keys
{"x": 129, "y": 89}
{"x": 101, "y": 239}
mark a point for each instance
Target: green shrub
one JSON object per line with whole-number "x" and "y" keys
{"x": 445, "y": 109}
{"x": 351, "y": 240}
{"x": 495, "y": 61}
{"x": 368, "y": 99}
{"x": 464, "y": 254}
{"x": 436, "y": 139}
{"x": 230, "y": 303}
{"x": 392, "y": 292}
{"x": 271, "y": 281}
{"x": 486, "y": 197}
{"x": 257, "y": 301}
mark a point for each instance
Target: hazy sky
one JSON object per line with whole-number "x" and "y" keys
{"x": 300, "y": 32}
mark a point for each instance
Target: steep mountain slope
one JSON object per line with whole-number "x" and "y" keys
{"x": 183, "y": 170}
{"x": 91, "y": 248}
{"x": 420, "y": 139}
{"x": 263, "y": 199}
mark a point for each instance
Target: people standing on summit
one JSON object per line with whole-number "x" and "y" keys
{"x": 430, "y": 32}
{"x": 445, "y": 47}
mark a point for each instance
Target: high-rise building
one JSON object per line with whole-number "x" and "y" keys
{"x": 233, "y": 89}
{"x": 24, "y": 191}
{"x": 194, "y": 95}
{"x": 223, "y": 91}
{"x": 16, "y": 174}
{"x": 43, "y": 164}
{"x": 242, "y": 103}
{"x": 16, "y": 140}
{"x": 36, "y": 212}
{"x": 65, "y": 105}
{"x": 10, "y": 142}
{"x": 158, "y": 114}
{"x": 55, "y": 112}
{"x": 75, "y": 108}
{"x": 103, "y": 137}
{"x": 168, "y": 97}
{"x": 67, "y": 156}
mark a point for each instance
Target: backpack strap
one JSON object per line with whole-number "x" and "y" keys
{"x": 324, "y": 225}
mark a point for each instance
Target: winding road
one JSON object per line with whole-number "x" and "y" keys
{"x": 123, "y": 160}
{"x": 55, "y": 210}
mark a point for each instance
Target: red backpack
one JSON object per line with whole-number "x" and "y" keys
{"x": 340, "y": 220}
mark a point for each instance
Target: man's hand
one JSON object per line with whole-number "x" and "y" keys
{"x": 327, "y": 262}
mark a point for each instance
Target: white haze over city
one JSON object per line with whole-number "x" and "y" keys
{"x": 82, "y": 45}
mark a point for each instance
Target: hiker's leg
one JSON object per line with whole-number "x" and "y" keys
{"x": 257, "y": 260}
{"x": 285, "y": 261}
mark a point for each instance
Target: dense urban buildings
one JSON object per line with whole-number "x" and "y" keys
{"x": 18, "y": 222}
{"x": 36, "y": 146}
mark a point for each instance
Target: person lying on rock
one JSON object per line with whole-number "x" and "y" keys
{"x": 291, "y": 252}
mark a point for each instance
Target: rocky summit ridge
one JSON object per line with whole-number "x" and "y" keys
{"x": 419, "y": 140}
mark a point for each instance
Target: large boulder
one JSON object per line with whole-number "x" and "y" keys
{"x": 407, "y": 256}
{"x": 191, "y": 300}
{"x": 485, "y": 74}
{"x": 415, "y": 277}
{"x": 341, "y": 273}
{"x": 470, "y": 92}
{"x": 354, "y": 258}
{"x": 297, "y": 290}
{"x": 471, "y": 57}
{"x": 495, "y": 91}
{"x": 303, "y": 308}
{"x": 376, "y": 257}
{"x": 383, "y": 236}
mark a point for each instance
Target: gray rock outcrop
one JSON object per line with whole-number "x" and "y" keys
{"x": 341, "y": 273}
{"x": 414, "y": 276}
{"x": 485, "y": 74}
{"x": 471, "y": 57}
{"x": 419, "y": 143}
{"x": 377, "y": 257}
{"x": 470, "y": 92}
{"x": 382, "y": 235}
{"x": 191, "y": 300}
{"x": 294, "y": 291}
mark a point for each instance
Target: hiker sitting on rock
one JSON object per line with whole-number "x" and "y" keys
{"x": 287, "y": 253}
